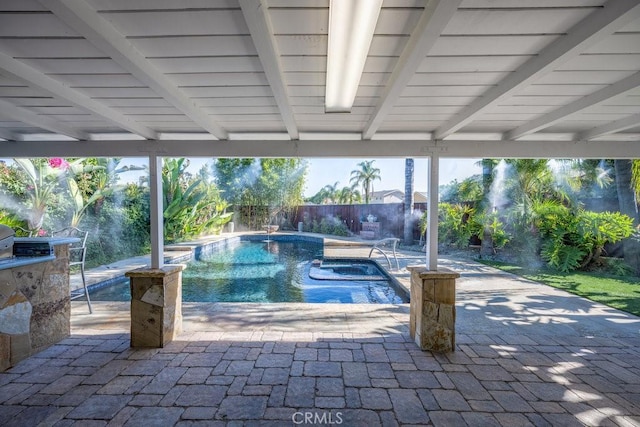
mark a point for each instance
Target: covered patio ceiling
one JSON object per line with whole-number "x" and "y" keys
{"x": 470, "y": 78}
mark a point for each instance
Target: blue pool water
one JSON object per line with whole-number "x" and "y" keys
{"x": 274, "y": 271}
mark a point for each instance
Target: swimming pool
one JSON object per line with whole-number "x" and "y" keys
{"x": 280, "y": 269}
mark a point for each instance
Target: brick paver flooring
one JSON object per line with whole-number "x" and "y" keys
{"x": 522, "y": 359}
{"x": 279, "y": 379}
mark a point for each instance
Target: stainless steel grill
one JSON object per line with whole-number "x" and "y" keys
{"x": 6, "y": 242}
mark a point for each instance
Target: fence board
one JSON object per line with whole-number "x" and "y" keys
{"x": 390, "y": 216}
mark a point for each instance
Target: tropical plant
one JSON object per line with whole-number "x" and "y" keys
{"x": 319, "y": 198}
{"x": 349, "y": 195}
{"x": 331, "y": 193}
{"x": 558, "y": 228}
{"x": 271, "y": 188}
{"x": 485, "y": 205}
{"x": 457, "y": 223}
{"x": 234, "y": 177}
{"x": 190, "y": 207}
{"x": 280, "y": 187}
{"x": 12, "y": 220}
{"x": 81, "y": 200}
{"x": 635, "y": 177}
{"x": 365, "y": 177}
{"x": 627, "y": 173}
{"x": 493, "y": 227}
{"x": 574, "y": 239}
{"x": 531, "y": 180}
{"x": 94, "y": 179}
{"x": 588, "y": 177}
{"x": 45, "y": 177}
{"x": 599, "y": 228}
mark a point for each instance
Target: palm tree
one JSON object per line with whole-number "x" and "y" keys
{"x": 365, "y": 177}
{"x": 635, "y": 177}
{"x": 526, "y": 183}
{"x": 627, "y": 174}
{"x": 408, "y": 201}
{"x": 488, "y": 170}
{"x": 331, "y": 193}
{"x": 588, "y": 177}
{"x": 349, "y": 195}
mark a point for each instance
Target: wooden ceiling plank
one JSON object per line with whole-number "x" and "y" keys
{"x": 577, "y": 106}
{"x": 88, "y": 22}
{"x": 8, "y": 135}
{"x": 37, "y": 79}
{"x": 431, "y": 24}
{"x": 593, "y": 29}
{"x": 609, "y": 128}
{"x": 25, "y": 116}
{"x": 260, "y": 27}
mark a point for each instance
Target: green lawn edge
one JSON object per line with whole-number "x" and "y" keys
{"x": 620, "y": 292}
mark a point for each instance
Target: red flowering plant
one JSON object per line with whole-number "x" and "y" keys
{"x": 58, "y": 163}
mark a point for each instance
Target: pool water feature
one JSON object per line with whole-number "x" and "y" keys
{"x": 280, "y": 269}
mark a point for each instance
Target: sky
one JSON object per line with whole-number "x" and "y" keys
{"x": 325, "y": 171}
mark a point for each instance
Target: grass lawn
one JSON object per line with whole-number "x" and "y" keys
{"x": 622, "y": 293}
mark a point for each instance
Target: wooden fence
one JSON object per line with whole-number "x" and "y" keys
{"x": 389, "y": 215}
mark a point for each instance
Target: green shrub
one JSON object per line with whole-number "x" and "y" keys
{"x": 191, "y": 206}
{"x": 457, "y": 223}
{"x": 12, "y": 220}
{"x": 574, "y": 239}
{"x": 615, "y": 267}
{"x": 330, "y": 225}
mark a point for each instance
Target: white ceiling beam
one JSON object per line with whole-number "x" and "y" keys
{"x": 327, "y": 149}
{"x": 591, "y": 30}
{"x": 87, "y": 22}
{"x": 577, "y": 106}
{"x": 433, "y": 21}
{"x": 35, "y": 78}
{"x": 609, "y": 128}
{"x": 9, "y": 136}
{"x": 255, "y": 15}
{"x": 25, "y": 116}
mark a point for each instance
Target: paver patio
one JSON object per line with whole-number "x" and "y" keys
{"x": 527, "y": 354}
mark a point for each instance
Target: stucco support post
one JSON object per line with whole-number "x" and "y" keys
{"x": 157, "y": 221}
{"x": 433, "y": 291}
{"x": 156, "y": 292}
{"x": 432, "y": 212}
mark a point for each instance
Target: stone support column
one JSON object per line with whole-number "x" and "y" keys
{"x": 432, "y": 310}
{"x": 156, "y": 305}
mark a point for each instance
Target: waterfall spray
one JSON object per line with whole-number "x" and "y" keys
{"x": 497, "y": 196}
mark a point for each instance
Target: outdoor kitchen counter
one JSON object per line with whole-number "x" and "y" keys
{"x": 35, "y": 309}
{"x": 19, "y": 261}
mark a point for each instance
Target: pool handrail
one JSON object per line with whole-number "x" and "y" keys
{"x": 393, "y": 242}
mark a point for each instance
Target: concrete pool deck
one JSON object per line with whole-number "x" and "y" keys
{"x": 527, "y": 354}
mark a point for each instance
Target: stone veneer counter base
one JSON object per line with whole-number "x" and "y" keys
{"x": 35, "y": 307}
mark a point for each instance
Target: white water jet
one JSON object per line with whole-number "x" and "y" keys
{"x": 560, "y": 173}
{"x": 16, "y": 207}
{"x": 603, "y": 173}
{"x": 497, "y": 194}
